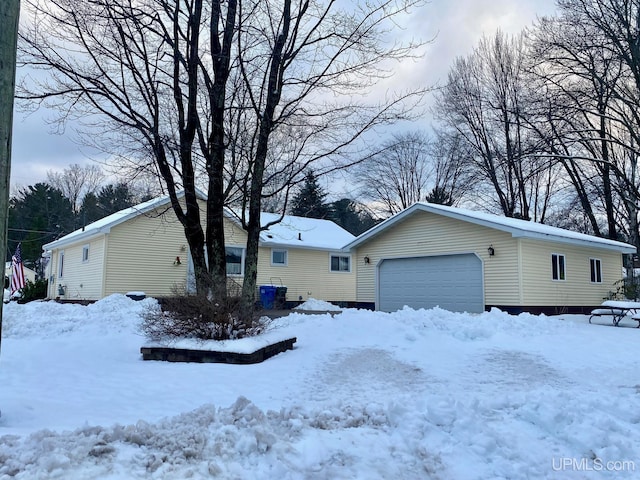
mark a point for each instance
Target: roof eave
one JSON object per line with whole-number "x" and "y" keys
{"x": 56, "y": 244}
{"x": 272, "y": 244}
{"x": 514, "y": 231}
{"x": 107, "y": 228}
{"x": 617, "y": 246}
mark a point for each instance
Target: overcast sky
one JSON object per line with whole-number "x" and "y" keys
{"x": 457, "y": 25}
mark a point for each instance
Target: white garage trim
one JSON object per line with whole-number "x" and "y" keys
{"x": 429, "y": 272}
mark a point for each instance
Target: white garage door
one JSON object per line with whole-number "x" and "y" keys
{"x": 452, "y": 282}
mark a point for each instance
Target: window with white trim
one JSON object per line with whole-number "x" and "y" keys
{"x": 279, "y": 257}
{"x": 340, "y": 263}
{"x": 60, "y": 263}
{"x": 85, "y": 253}
{"x": 235, "y": 260}
{"x": 595, "y": 265}
{"x": 558, "y": 267}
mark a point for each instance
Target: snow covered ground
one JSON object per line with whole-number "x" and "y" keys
{"x": 408, "y": 395}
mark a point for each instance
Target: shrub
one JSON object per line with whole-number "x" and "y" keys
{"x": 199, "y": 317}
{"x": 625, "y": 289}
{"x": 33, "y": 291}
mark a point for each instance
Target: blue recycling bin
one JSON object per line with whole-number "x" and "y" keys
{"x": 267, "y": 296}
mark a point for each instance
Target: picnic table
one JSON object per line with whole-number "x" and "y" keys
{"x": 618, "y": 310}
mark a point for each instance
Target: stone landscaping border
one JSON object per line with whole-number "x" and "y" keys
{"x": 169, "y": 354}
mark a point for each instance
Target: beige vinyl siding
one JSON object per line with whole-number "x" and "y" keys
{"x": 307, "y": 275}
{"x": 142, "y": 253}
{"x": 423, "y": 234}
{"x": 82, "y": 280}
{"x": 577, "y": 290}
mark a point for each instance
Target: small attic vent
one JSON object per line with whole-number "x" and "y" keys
{"x": 299, "y": 236}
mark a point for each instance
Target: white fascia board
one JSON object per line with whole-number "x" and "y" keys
{"x": 604, "y": 245}
{"x": 285, "y": 246}
{"x": 515, "y": 231}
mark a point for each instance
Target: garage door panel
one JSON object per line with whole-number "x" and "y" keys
{"x": 452, "y": 282}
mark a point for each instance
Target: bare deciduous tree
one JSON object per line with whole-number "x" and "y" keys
{"x": 76, "y": 181}
{"x": 207, "y": 89}
{"x": 484, "y": 103}
{"x": 133, "y": 73}
{"x": 398, "y": 175}
{"x": 588, "y": 60}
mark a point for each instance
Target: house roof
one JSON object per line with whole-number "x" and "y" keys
{"x": 104, "y": 225}
{"x": 516, "y": 227}
{"x": 298, "y": 232}
{"x": 302, "y": 232}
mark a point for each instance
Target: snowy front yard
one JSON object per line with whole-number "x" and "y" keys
{"x": 409, "y": 395}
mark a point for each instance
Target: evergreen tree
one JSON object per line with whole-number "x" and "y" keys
{"x": 38, "y": 214}
{"x": 110, "y": 199}
{"x": 440, "y": 196}
{"x": 90, "y": 210}
{"x": 351, "y": 216}
{"x": 309, "y": 201}
{"x": 115, "y": 197}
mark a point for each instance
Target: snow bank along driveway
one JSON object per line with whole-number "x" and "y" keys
{"x": 408, "y": 395}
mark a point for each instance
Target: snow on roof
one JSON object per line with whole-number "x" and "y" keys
{"x": 302, "y": 232}
{"x": 105, "y": 224}
{"x": 517, "y": 227}
{"x": 298, "y": 232}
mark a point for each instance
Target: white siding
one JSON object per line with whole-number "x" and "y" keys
{"x": 140, "y": 255}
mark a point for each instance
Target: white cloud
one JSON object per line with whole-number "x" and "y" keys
{"x": 456, "y": 25}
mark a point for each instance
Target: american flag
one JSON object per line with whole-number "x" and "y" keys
{"x": 17, "y": 271}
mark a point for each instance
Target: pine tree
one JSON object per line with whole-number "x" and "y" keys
{"x": 351, "y": 216}
{"x": 309, "y": 201}
{"x": 440, "y": 196}
{"x": 38, "y": 214}
{"x": 115, "y": 197}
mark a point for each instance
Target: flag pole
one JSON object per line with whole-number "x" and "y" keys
{"x": 9, "y": 13}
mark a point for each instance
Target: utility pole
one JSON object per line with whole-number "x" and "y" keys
{"x": 9, "y": 13}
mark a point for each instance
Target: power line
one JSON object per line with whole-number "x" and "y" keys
{"x": 31, "y": 231}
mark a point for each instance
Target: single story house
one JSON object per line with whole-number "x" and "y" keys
{"x": 461, "y": 260}
{"x": 143, "y": 248}
{"x": 29, "y": 274}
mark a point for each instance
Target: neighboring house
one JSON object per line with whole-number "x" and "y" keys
{"x": 28, "y": 273}
{"x": 431, "y": 255}
{"x": 143, "y": 248}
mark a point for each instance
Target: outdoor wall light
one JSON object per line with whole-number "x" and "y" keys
{"x": 491, "y": 251}
{"x": 367, "y": 260}
{"x": 177, "y": 261}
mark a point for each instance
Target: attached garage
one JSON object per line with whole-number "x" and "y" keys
{"x": 452, "y": 282}
{"x": 461, "y": 260}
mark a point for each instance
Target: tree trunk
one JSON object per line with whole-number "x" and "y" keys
{"x": 274, "y": 90}
{"x": 606, "y": 179}
{"x": 221, "y": 57}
